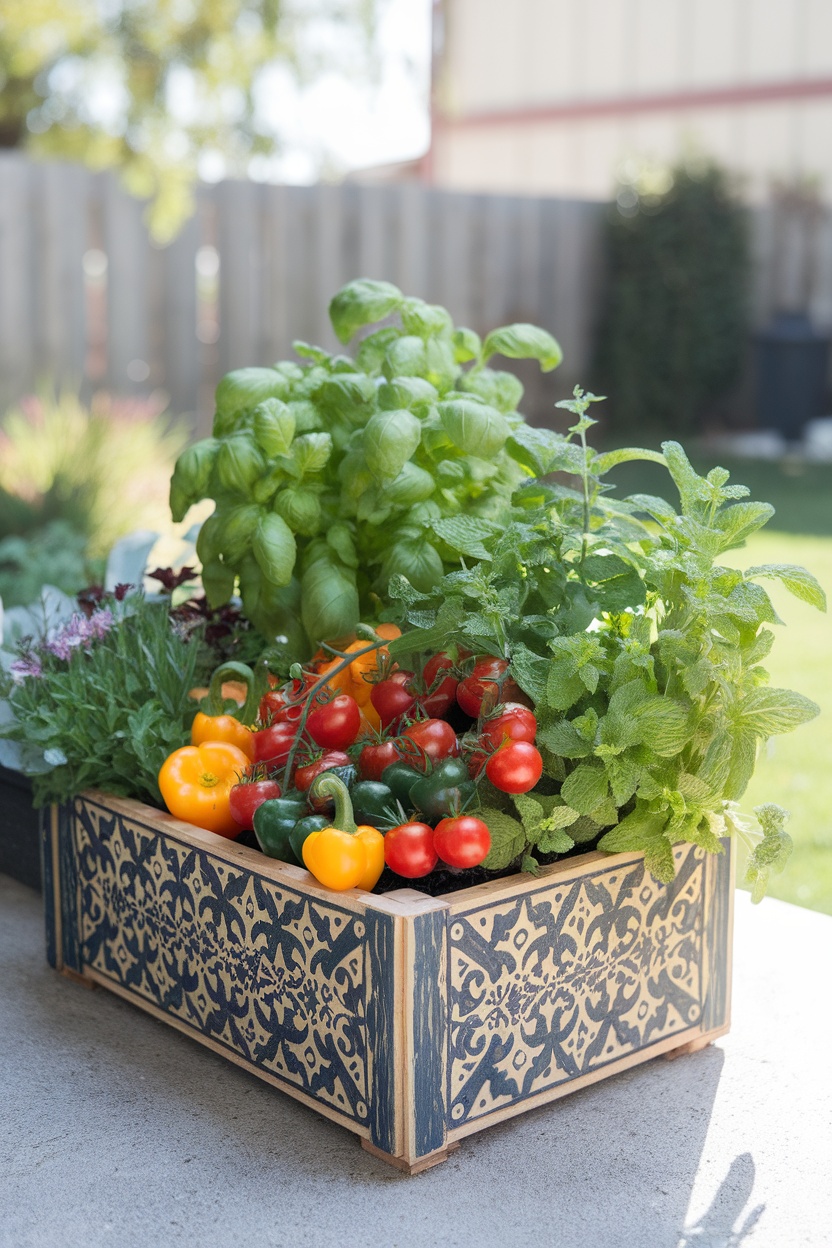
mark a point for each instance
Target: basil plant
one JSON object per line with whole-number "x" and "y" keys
{"x": 332, "y": 475}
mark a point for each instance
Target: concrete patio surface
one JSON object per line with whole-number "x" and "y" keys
{"x": 116, "y": 1130}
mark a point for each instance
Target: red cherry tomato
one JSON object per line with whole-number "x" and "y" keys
{"x": 436, "y": 663}
{"x": 515, "y": 768}
{"x": 462, "y": 841}
{"x": 374, "y": 758}
{"x": 409, "y": 850}
{"x": 335, "y": 725}
{"x": 488, "y": 683}
{"x": 514, "y": 723}
{"x": 434, "y": 737}
{"x": 244, "y": 799}
{"x": 272, "y": 744}
{"x": 306, "y": 773}
{"x": 440, "y": 691}
{"x": 392, "y": 699}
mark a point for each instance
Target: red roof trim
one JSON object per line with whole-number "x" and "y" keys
{"x": 667, "y": 101}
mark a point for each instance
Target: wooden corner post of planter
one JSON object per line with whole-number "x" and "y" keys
{"x": 409, "y": 1126}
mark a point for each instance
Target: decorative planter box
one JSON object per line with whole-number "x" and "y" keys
{"x": 413, "y": 1021}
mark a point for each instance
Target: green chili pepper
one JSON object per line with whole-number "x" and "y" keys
{"x": 274, "y": 823}
{"x": 448, "y": 789}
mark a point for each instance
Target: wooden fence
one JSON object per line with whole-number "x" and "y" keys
{"x": 87, "y": 299}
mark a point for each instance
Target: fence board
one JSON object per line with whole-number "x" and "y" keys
{"x": 17, "y": 337}
{"x": 59, "y": 195}
{"x": 127, "y": 246}
{"x": 239, "y": 290}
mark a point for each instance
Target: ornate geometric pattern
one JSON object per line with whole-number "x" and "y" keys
{"x": 243, "y": 960}
{"x": 550, "y": 985}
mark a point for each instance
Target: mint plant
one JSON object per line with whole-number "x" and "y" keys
{"x": 643, "y": 655}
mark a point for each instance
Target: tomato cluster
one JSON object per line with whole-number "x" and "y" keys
{"x": 413, "y": 751}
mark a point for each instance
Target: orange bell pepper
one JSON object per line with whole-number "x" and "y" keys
{"x": 232, "y": 691}
{"x": 216, "y": 724}
{"x": 196, "y": 782}
{"x": 222, "y": 728}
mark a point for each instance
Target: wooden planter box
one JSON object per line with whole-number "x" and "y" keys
{"x": 412, "y": 1021}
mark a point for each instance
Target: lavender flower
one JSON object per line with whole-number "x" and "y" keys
{"x": 28, "y": 665}
{"x": 80, "y": 631}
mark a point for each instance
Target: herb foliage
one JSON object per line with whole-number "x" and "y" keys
{"x": 643, "y": 655}
{"x": 333, "y": 475}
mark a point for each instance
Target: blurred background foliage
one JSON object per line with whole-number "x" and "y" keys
{"x": 73, "y": 480}
{"x": 162, "y": 91}
{"x": 675, "y": 322}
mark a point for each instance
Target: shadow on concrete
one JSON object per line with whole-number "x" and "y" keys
{"x": 717, "y": 1227}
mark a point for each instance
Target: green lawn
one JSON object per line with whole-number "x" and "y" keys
{"x": 794, "y": 770}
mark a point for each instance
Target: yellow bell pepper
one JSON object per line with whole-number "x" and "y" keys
{"x": 343, "y": 855}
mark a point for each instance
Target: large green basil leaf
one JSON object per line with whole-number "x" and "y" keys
{"x": 306, "y": 415}
{"x": 441, "y": 368}
{"x": 191, "y": 476}
{"x": 417, "y": 560}
{"x": 274, "y": 548}
{"x": 239, "y": 463}
{"x": 390, "y": 438}
{"x": 524, "y": 342}
{"x": 424, "y": 319}
{"x": 408, "y": 392}
{"x": 329, "y": 601}
{"x": 242, "y": 389}
{"x": 350, "y": 396}
{"x": 235, "y": 530}
{"x": 412, "y": 485}
{"x": 300, "y": 508}
{"x": 372, "y": 350}
{"x": 310, "y": 453}
{"x": 467, "y": 345}
{"x": 406, "y": 357}
{"x": 274, "y": 427}
{"x": 208, "y": 540}
{"x": 502, "y": 390}
{"x": 360, "y": 303}
{"x": 218, "y": 583}
{"x": 474, "y": 427}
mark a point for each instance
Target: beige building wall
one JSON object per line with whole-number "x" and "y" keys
{"x": 553, "y": 96}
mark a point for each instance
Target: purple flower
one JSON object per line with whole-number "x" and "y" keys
{"x": 28, "y": 665}
{"x": 80, "y": 631}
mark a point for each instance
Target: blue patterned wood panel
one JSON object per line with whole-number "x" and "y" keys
{"x": 564, "y": 978}
{"x": 279, "y": 978}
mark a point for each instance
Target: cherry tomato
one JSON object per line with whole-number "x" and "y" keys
{"x": 335, "y": 724}
{"x": 513, "y": 723}
{"x": 440, "y": 691}
{"x": 436, "y": 663}
{"x": 487, "y": 682}
{"x": 271, "y": 704}
{"x": 462, "y": 841}
{"x": 409, "y": 850}
{"x": 392, "y": 699}
{"x": 434, "y": 737}
{"x": 244, "y": 799}
{"x": 307, "y": 772}
{"x": 375, "y": 757}
{"x": 515, "y": 768}
{"x": 272, "y": 744}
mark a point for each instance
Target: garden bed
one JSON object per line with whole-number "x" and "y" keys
{"x": 411, "y": 1020}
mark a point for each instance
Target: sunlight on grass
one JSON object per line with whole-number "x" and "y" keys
{"x": 794, "y": 770}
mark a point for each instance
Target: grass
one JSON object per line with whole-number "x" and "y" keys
{"x": 793, "y": 770}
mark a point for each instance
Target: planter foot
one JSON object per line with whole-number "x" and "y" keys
{"x": 78, "y": 979}
{"x": 410, "y": 1167}
{"x": 692, "y": 1046}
